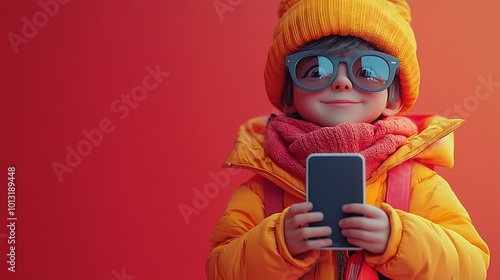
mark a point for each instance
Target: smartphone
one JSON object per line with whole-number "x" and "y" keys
{"x": 333, "y": 180}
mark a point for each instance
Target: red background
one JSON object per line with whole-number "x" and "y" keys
{"x": 116, "y": 215}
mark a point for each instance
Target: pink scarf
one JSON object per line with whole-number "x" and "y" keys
{"x": 289, "y": 141}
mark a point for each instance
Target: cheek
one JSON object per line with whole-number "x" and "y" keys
{"x": 303, "y": 96}
{"x": 302, "y": 100}
{"x": 378, "y": 99}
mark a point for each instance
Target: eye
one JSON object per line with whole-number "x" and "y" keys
{"x": 367, "y": 73}
{"x": 317, "y": 72}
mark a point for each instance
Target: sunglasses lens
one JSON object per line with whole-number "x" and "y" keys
{"x": 314, "y": 71}
{"x": 371, "y": 72}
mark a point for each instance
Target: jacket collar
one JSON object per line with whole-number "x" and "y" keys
{"x": 432, "y": 146}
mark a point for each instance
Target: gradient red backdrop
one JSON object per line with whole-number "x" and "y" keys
{"x": 117, "y": 114}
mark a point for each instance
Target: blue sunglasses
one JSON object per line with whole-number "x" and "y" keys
{"x": 371, "y": 71}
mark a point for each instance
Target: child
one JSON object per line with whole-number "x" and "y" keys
{"x": 341, "y": 71}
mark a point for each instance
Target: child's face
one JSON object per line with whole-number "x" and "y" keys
{"x": 340, "y": 102}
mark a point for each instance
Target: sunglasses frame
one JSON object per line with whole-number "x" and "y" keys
{"x": 292, "y": 60}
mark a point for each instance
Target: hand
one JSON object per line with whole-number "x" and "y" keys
{"x": 370, "y": 232}
{"x": 297, "y": 233}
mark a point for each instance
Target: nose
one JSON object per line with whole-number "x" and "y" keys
{"x": 341, "y": 81}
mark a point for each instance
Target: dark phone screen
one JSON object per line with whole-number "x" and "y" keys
{"x": 332, "y": 181}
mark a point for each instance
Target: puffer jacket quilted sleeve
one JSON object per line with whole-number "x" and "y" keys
{"x": 435, "y": 239}
{"x": 245, "y": 245}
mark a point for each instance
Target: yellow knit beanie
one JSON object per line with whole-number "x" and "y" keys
{"x": 383, "y": 23}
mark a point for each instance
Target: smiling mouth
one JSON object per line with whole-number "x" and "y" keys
{"x": 341, "y": 102}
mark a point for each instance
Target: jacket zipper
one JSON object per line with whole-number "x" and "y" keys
{"x": 316, "y": 268}
{"x": 341, "y": 264}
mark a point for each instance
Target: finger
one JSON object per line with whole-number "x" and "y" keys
{"x": 363, "y": 209}
{"x": 300, "y": 220}
{"x": 313, "y": 232}
{"x": 298, "y": 242}
{"x": 306, "y": 245}
{"x": 298, "y": 208}
{"x": 314, "y": 244}
{"x": 377, "y": 248}
{"x": 363, "y": 235}
{"x": 363, "y": 223}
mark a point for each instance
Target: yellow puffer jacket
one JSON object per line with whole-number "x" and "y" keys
{"x": 434, "y": 240}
